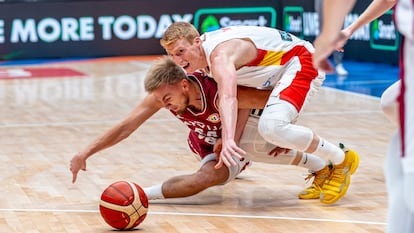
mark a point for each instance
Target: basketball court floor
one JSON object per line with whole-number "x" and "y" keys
{"x": 52, "y": 110}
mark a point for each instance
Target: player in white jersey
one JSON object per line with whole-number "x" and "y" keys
{"x": 263, "y": 58}
{"x": 398, "y": 105}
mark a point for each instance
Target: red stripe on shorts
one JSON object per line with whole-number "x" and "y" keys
{"x": 297, "y": 91}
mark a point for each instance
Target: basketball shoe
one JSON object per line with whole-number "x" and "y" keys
{"x": 319, "y": 177}
{"x": 340, "y": 70}
{"x": 336, "y": 186}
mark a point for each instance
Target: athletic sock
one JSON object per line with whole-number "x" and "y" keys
{"x": 311, "y": 162}
{"x": 154, "y": 192}
{"x": 329, "y": 151}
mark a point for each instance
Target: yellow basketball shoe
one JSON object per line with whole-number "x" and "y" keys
{"x": 336, "y": 186}
{"x": 319, "y": 177}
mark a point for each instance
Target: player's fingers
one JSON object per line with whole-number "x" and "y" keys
{"x": 274, "y": 152}
{"x": 228, "y": 157}
{"x": 219, "y": 164}
{"x": 326, "y": 66}
{"x": 74, "y": 176}
{"x": 232, "y": 162}
{"x": 217, "y": 149}
{"x": 226, "y": 161}
{"x": 240, "y": 151}
{"x": 235, "y": 155}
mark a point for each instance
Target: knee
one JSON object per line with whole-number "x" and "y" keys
{"x": 389, "y": 103}
{"x": 270, "y": 129}
{"x": 208, "y": 176}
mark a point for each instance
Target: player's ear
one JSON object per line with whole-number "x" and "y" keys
{"x": 197, "y": 41}
{"x": 185, "y": 83}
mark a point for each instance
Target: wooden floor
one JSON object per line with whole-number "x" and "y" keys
{"x": 45, "y": 121}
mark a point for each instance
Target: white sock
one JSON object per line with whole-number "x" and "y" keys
{"x": 311, "y": 162}
{"x": 329, "y": 151}
{"x": 154, "y": 192}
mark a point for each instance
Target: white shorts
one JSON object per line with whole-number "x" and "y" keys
{"x": 257, "y": 148}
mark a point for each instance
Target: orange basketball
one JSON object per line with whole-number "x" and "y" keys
{"x": 123, "y": 205}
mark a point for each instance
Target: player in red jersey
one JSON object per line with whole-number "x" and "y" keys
{"x": 193, "y": 99}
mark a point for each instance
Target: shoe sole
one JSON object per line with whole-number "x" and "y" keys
{"x": 310, "y": 197}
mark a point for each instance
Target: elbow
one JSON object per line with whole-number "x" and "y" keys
{"x": 124, "y": 132}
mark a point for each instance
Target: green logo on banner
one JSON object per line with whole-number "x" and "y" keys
{"x": 383, "y": 34}
{"x": 210, "y": 19}
{"x": 209, "y": 24}
{"x": 293, "y": 20}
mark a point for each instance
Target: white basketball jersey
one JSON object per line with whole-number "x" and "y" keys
{"x": 276, "y": 49}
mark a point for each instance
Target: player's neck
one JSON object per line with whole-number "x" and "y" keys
{"x": 195, "y": 97}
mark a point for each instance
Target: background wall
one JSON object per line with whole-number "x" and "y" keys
{"x": 88, "y": 28}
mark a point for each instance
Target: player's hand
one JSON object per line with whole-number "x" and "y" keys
{"x": 77, "y": 163}
{"x": 217, "y": 148}
{"x": 229, "y": 149}
{"x": 278, "y": 151}
{"x": 324, "y": 46}
{"x": 345, "y": 34}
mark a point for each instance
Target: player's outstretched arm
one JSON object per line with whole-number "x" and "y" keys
{"x": 334, "y": 13}
{"x": 224, "y": 62}
{"x": 373, "y": 11}
{"x": 117, "y": 133}
{"x": 224, "y": 73}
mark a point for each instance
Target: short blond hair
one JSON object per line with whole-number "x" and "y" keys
{"x": 163, "y": 71}
{"x": 179, "y": 30}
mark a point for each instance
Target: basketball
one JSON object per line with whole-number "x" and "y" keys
{"x": 123, "y": 205}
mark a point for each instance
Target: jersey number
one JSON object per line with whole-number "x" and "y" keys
{"x": 210, "y": 137}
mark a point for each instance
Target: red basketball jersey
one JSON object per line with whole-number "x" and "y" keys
{"x": 205, "y": 125}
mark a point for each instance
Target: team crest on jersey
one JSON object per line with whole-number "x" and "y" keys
{"x": 215, "y": 118}
{"x": 285, "y": 36}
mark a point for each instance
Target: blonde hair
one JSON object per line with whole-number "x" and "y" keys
{"x": 163, "y": 71}
{"x": 178, "y": 31}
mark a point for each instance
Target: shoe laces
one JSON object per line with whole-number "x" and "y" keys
{"x": 316, "y": 186}
{"x": 322, "y": 175}
{"x": 338, "y": 174}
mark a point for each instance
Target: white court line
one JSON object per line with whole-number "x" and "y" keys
{"x": 206, "y": 215}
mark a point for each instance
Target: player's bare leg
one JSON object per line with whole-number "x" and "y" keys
{"x": 188, "y": 185}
